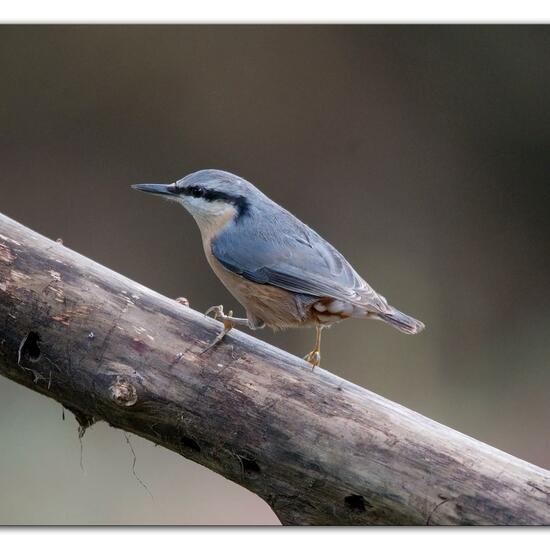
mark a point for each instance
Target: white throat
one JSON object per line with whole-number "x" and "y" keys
{"x": 211, "y": 216}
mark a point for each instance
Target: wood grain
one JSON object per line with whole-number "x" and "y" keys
{"x": 318, "y": 449}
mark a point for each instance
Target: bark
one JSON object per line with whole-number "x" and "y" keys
{"x": 318, "y": 449}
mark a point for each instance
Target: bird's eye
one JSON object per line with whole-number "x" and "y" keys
{"x": 197, "y": 192}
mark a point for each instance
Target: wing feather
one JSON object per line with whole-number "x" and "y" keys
{"x": 296, "y": 259}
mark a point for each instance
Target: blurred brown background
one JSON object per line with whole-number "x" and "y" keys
{"x": 422, "y": 153}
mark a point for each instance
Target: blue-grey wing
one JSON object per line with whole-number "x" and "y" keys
{"x": 282, "y": 251}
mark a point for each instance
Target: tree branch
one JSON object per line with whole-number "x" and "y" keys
{"x": 317, "y": 448}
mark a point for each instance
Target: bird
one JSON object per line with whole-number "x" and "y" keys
{"x": 281, "y": 271}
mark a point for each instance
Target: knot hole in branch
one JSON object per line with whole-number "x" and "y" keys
{"x": 250, "y": 467}
{"x": 29, "y": 348}
{"x": 356, "y": 503}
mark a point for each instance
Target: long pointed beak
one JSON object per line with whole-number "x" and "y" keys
{"x": 156, "y": 188}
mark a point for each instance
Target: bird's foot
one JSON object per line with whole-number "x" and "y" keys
{"x": 228, "y": 320}
{"x": 228, "y": 323}
{"x": 183, "y": 301}
{"x": 314, "y": 358}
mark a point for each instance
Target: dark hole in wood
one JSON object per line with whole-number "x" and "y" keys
{"x": 356, "y": 503}
{"x": 250, "y": 467}
{"x": 29, "y": 347}
{"x": 191, "y": 444}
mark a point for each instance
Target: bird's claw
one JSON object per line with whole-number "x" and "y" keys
{"x": 219, "y": 315}
{"x": 216, "y": 310}
{"x": 313, "y": 358}
{"x": 183, "y": 301}
{"x": 228, "y": 324}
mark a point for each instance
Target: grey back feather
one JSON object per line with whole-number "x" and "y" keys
{"x": 271, "y": 246}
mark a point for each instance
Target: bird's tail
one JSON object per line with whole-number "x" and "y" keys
{"x": 401, "y": 322}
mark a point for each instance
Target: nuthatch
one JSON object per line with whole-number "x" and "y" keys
{"x": 279, "y": 269}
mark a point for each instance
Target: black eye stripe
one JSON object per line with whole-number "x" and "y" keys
{"x": 207, "y": 194}
{"x": 239, "y": 202}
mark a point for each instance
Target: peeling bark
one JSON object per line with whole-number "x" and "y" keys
{"x": 317, "y": 448}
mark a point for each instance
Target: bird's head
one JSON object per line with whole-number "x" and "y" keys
{"x": 208, "y": 195}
